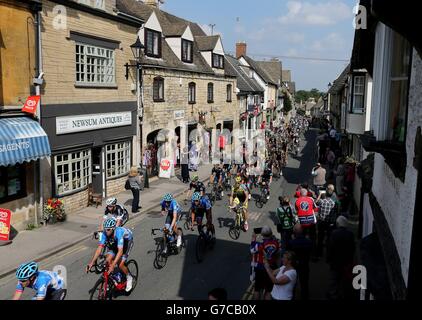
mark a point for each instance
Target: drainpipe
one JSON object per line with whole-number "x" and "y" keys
{"x": 38, "y": 114}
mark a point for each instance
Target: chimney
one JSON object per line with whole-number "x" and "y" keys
{"x": 151, "y": 3}
{"x": 240, "y": 49}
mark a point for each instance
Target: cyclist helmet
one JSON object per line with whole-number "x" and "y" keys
{"x": 238, "y": 180}
{"x": 195, "y": 178}
{"x": 167, "y": 197}
{"x": 26, "y": 271}
{"x": 110, "y": 223}
{"x": 196, "y": 196}
{"x": 111, "y": 202}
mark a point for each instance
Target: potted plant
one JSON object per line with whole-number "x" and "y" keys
{"x": 54, "y": 211}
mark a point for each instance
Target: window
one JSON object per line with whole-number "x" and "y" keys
{"x": 158, "y": 89}
{"x": 192, "y": 93}
{"x": 73, "y": 171}
{"x": 118, "y": 159}
{"x": 358, "y": 94}
{"x": 12, "y": 182}
{"x": 187, "y": 53}
{"x": 399, "y": 87}
{"x": 229, "y": 93}
{"x": 217, "y": 61}
{"x": 210, "y": 92}
{"x": 153, "y": 43}
{"x": 95, "y": 65}
{"x": 257, "y": 99}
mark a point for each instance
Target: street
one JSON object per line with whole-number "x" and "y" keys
{"x": 183, "y": 277}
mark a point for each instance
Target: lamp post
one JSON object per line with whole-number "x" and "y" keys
{"x": 137, "y": 50}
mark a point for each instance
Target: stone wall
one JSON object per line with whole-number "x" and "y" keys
{"x": 76, "y": 202}
{"x": 116, "y": 186}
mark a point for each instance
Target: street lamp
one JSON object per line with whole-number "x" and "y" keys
{"x": 138, "y": 51}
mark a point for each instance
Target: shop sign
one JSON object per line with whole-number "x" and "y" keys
{"x": 5, "y": 216}
{"x": 179, "y": 114}
{"x": 165, "y": 168}
{"x": 89, "y": 122}
{"x": 31, "y": 104}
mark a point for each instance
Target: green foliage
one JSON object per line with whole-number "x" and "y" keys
{"x": 287, "y": 104}
{"x": 304, "y": 95}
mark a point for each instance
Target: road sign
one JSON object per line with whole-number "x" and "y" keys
{"x": 165, "y": 168}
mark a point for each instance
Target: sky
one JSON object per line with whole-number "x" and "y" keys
{"x": 321, "y": 29}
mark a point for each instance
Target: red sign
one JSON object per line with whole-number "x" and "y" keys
{"x": 222, "y": 141}
{"x": 165, "y": 165}
{"x": 5, "y": 216}
{"x": 31, "y": 104}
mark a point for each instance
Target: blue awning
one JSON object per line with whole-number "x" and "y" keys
{"x": 22, "y": 139}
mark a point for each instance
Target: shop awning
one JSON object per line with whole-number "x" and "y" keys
{"x": 22, "y": 139}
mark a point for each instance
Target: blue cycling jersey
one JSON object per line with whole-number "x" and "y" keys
{"x": 45, "y": 280}
{"x": 204, "y": 203}
{"x": 174, "y": 206}
{"x": 120, "y": 235}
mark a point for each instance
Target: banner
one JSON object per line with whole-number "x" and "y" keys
{"x": 5, "y": 216}
{"x": 31, "y": 104}
{"x": 166, "y": 167}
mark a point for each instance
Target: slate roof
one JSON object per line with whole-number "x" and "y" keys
{"x": 272, "y": 68}
{"x": 244, "y": 83}
{"x": 172, "y": 26}
{"x": 286, "y": 76}
{"x": 261, "y": 72}
{"x": 338, "y": 84}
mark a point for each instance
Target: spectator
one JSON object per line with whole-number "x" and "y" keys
{"x": 284, "y": 278}
{"x": 286, "y": 216}
{"x": 305, "y": 208}
{"x": 302, "y": 247}
{"x": 217, "y": 294}
{"x": 340, "y": 257}
{"x": 330, "y": 157}
{"x": 326, "y": 210}
{"x": 135, "y": 187}
{"x": 319, "y": 173}
{"x": 268, "y": 247}
{"x": 339, "y": 176}
{"x": 304, "y": 186}
{"x": 184, "y": 159}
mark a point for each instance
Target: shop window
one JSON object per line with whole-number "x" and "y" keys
{"x": 118, "y": 159}
{"x": 12, "y": 183}
{"x": 72, "y": 171}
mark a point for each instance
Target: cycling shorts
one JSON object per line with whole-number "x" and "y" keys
{"x": 127, "y": 247}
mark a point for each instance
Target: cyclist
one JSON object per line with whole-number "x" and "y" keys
{"x": 195, "y": 186}
{"x": 119, "y": 242}
{"x": 240, "y": 192}
{"x": 200, "y": 206}
{"x": 266, "y": 178}
{"x": 47, "y": 284}
{"x": 170, "y": 206}
{"x": 116, "y": 211}
{"x": 217, "y": 174}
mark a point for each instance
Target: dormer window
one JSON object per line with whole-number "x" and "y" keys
{"x": 153, "y": 43}
{"x": 217, "y": 61}
{"x": 187, "y": 52}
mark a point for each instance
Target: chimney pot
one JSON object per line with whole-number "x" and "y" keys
{"x": 240, "y": 49}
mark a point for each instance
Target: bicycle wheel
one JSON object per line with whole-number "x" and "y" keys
{"x": 98, "y": 292}
{"x": 160, "y": 260}
{"x": 132, "y": 266}
{"x": 187, "y": 224}
{"x": 200, "y": 248}
{"x": 234, "y": 231}
{"x": 259, "y": 202}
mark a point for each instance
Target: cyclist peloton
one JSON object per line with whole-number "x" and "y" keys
{"x": 267, "y": 177}
{"x": 217, "y": 175}
{"x": 119, "y": 242}
{"x": 116, "y": 211}
{"x": 201, "y": 206}
{"x": 240, "y": 192}
{"x": 47, "y": 284}
{"x": 170, "y": 206}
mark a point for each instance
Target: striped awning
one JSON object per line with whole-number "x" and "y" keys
{"x": 22, "y": 139}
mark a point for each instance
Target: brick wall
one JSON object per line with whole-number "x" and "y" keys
{"x": 75, "y": 201}
{"x": 116, "y": 186}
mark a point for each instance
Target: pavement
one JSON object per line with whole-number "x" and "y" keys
{"x": 46, "y": 241}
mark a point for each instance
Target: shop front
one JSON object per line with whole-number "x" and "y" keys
{"x": 22, "y": 143}
{"x": 92, "y": 149}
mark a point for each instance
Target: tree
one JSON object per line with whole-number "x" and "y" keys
{"x": 304, "y": 95}
{"x": 287, "y": 104}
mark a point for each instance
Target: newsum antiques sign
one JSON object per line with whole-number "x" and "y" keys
{"x": 89, "y": 122}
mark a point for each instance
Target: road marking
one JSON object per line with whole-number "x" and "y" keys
{"x": 54, "y": 259}
{"x": 255, "y": 216}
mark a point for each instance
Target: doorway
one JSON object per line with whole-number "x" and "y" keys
{"x": 97, "y": 170}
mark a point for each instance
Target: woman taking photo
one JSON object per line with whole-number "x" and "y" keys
{"x": 284, "y": 279}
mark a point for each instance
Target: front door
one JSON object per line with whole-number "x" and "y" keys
{"x": 97, "y": 170}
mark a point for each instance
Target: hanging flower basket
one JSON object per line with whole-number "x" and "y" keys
{"x": 54, "y": 211}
